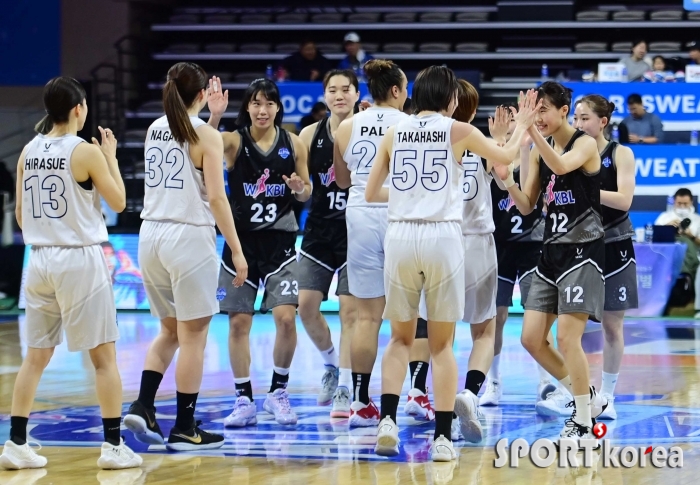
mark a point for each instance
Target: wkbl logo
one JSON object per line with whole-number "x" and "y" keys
{"x": 260, "y": 187}
{"x": 559, "y": 197}
{"x": 506, "y": 204}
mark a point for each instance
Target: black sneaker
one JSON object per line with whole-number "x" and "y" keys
{"x": 142, "y": 422}
{"x": 193, "y": 439}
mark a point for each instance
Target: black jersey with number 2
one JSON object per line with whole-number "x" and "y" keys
{"x": 573, "y": 203}
{"x": 260, "y": 198}
{"x": 510, "y": 224}
{"x": 328, "y": 201}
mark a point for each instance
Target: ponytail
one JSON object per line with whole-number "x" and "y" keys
{"x": 185, "y": 81}
{"x": 44, "y": 126}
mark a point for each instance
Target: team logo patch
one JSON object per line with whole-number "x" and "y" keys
{"x": 329, "y": 177}
{"x": 283, "y": 152}
{"x": 220, "y": 293}
{"x": 607, "y": 162}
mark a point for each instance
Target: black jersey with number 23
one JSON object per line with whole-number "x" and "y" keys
{"x": 573, "y": 203}
{"x": 259, "y": 197}
{"x": 328, "y": 201}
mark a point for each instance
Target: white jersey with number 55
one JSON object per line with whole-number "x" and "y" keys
{"x": 368, "y": 129}
{"x": 173, "y": 187}
{"x": 476, "y": 188}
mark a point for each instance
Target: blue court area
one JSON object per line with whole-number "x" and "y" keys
{"x": 655, "y": 398}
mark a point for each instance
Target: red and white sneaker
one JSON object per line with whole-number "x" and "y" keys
{"x": 419, "y": 406}
{"x": 363, "y": 415}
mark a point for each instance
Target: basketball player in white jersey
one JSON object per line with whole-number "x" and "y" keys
{"x": 177, "y": 253}
{"x": 356, "y": 144}
{"x": 59, "y": 183}
{"x": 424, "y": 244}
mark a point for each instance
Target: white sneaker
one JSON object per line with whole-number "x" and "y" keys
{"x": 456, "y": 430}
{"x": 118, "y": 457}
{"x": 492, "y": 395}
{"x": 442, "y": 450}
{"x": 544, "y": 388}
{"x": 329, "y": 383}
{"x": 244, "y": 413}
{"x": 341, "y": 403}
{"x": 16, "y": 457}
{"x": 609, "y": 412}
{"x": 598, "y": 403}
{"x": 467, "y": 409}
{"x": 277, "y": 403}
{"x": 555, "y": 404}
{"x": 387, "y": 438}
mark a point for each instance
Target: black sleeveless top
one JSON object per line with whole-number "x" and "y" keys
{"x": 573, "y": 203}
{"x": 259, "y": 197}
{"x": 616, "y": 223}
{"x": 328, "y": 201}
{"x": 510, "y": 224}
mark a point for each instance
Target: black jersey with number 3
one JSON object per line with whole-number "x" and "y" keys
{"x": 328, "y": 201}
{"x": 510, "y": 224}
{"x": 616, "y": 223}
{"x": 573, "y": 203}
{"x": 259, "y": 197}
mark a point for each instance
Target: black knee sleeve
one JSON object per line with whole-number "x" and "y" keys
{"x": 422, "y": 328}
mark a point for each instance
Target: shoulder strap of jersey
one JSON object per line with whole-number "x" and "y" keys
{"x": 613, "y": 149}
{"x": 578, "y": 134}
{"x": 284, "y": 135}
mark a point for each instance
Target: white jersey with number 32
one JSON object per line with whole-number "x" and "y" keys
{"x": 174, "y": 188}
{"x": 476, "y": 191}
{"x": 56, "y": 210}
{"x": 368, "y": 129}
{"x": 424, "y": 177}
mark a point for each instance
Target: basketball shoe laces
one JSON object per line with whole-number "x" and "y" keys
{"x": 283, "y": 402}
{"x": 576, "y": 429}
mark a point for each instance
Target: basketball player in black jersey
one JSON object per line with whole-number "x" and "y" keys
{"x": 518, "y": 245}
{"x": 617, "y": 183}
{"x": 568, "y": 283}
{"x": 324, "y": 248}
{"x": 267, "y": 169}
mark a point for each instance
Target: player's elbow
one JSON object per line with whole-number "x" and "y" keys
{"x": 342, "y": 181}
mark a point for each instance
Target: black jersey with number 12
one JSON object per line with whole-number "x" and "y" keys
{"x": 260, "y": 198}
{"x": 328, "y": 201}
{"x": 573, "y": 203}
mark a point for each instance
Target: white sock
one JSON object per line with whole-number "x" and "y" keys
{"x": 345, "y": 379}
{"x": 566, "y": 385}
{"x": 281, "y": 371}
{"x": 609, "y": 381}
{"x": 494, "y": 372}
{"x": 583, "y": 410}
{"x": 241, "y": 380}
{"x": 330, "y": 357}
{"x": 544, "y": 375}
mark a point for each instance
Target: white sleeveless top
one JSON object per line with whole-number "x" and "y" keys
{"x": 368, "y": 129}
{"x": 476, "y": 191}
{"x": 56, "y": 211}
{"x": 174, "y": 188}
{"x": 424, "y": 177}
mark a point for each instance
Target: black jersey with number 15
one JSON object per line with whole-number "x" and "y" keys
{"x": 259, "y": 197}
{"x": 328, "y": 201}
{"x": 573, "y": 203}
{"x": 510, "y": 224}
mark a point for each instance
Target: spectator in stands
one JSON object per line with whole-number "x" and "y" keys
{"x": 694, "y": 52}
{"x": 356, "y": 56}
{"x": 660, "y": 72}
{"x": 308, "y": 64}
{"x": 635, "y": 63}
{"x": 643, "y": 127}
{"x": 683, "y": 209}
{"x": 318, "y": 112}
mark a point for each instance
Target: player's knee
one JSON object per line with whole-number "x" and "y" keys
{"x": 308, "y": 312}
{"x": 348, "y": 317}
{"x": 103, "y": 356}
{"x": 531, "y": 343}
{"x": 239, "y": 326}
{"x": 286, "y": 324}
{"x": 39, "y": 358}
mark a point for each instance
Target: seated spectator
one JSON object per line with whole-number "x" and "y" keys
{"x": 694, "y": 52}
{"x": 635, "y": 63}
{"x": 642, "y": 127}
{"x": 356, "y": 56}
{"x": 308, "y": 64}
{"x": 660, "y": 72}
{"x": 318, "y": 112}
{"x": 682, "y": 214}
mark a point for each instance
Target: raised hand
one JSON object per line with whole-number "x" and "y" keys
{"x": 498, "y": 125}
{"x": 294, "y": 182}
{"x": 218, "y": 98}
{"x": 108, "y": 146}
{"x": 528, "y": 106}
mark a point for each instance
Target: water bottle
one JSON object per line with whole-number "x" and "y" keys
{"x": 669, "y": 203}
{"x": 648, "y": 233}
{"x": 615, "y": 133}
{"x": 268, "y": 72}
{"x": 624, "y": 74}
{"x": 545, "y": 72}
{"x": 694, "y": 138}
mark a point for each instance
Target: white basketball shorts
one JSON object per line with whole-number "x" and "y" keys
{"x": 366, "y": 230}
{"x": 180, "y": 269}
{"x": 69, "y": 289}
{"x": 428, "y": 257}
